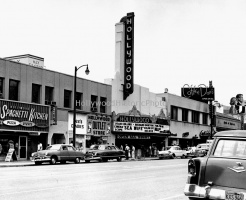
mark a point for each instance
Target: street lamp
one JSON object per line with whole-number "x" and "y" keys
{"x": 74, "y": 99}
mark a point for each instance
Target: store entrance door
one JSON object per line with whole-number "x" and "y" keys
{"x": 23, "y": 147}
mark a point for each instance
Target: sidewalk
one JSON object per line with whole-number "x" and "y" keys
{"x": 30, "y": 163}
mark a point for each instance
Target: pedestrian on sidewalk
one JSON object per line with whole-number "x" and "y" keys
{"x": 133, "y": 152}
{"x": 127, "y": 149}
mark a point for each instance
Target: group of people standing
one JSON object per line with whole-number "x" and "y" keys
{"x": 130, "y": 152}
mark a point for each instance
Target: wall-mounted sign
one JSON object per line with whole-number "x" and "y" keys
{"x": 53, "y": 113}
{"x": 140, "y": 127}
{"x": 129, "y": 55}
{"x": 205, "y": 133}
{"x": 11, "y": 122}
{"x": 98, "y": 125}
{"x": 81, "y": 123}
{"x": 186, "y": 134}
{"x": 201, "y": 93}
{"x": 27, "y": 124}
{"x": 137, "y": 137}
{"x": 23, "y": 117}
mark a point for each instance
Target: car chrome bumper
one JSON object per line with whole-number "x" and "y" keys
{"x": 40, "y": 159}
{"x": 192, "y": 190}
{"x": 93, "y": 158}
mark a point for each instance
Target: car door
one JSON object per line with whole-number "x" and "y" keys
{"x": 64, "y": 155}
{"x": 72, "y": 153}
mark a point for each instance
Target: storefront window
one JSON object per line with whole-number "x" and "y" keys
{"x": 5, "y": 141}
{"x": 79, "y": 100}
{"x": 13, "y": 90}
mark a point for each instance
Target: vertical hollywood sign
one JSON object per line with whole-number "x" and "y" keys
{"x": 129, "y": 55}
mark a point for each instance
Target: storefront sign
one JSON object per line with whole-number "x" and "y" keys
{"x": 129, "y": 55}
{"x": 140, "y": 127}
{"x": 227, "y": 123}
{"x": 205, "y": 133}
{"x": 23, "y": 116}
{"x": 201, "y": 93}
{"x": 27, "y": 124}
{"x": 138, "y": 137}
{"x": 53, "y": 114}
{"x": 9, "y": 155}
{"x": 11, "y": 122}
{"x": 98, "y": 125}
{"x": 81, "y": 122}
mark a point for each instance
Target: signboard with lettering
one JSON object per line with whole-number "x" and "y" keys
{"x": 140, "y": 127}
{"x": 129, "y": 55}
{"x": 53, "y": 114}
{"x": 23, "y": 116}
{"x": 129, "y": 136}
{"x": 201, "y": 93}
{"x": 98, "y": 125}
{"x": 9, "y": 155}
{"x": 81, "y": 122}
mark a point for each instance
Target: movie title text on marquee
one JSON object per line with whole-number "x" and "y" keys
{"x": 99, "y": 125}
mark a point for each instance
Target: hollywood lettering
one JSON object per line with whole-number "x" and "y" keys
{"x": 23, "y": 114}
{"x": 134, "y": 119}
{"x": 129, "y": 55}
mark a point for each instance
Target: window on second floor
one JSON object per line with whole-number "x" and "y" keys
{"x": 174, "y": 112}
{"x": 1, "y": 88}
{"x": 49, "y": 93}
{"x": 78, "y": 103}
{"x": 185, "y": 115}
{"x": 94, "y": 103}
{"x": 13, "y": 90}
{"x": 195, "y": 117}
{"x": 36, "y": 93}
{"x": 67, "y": 99}
{"x": 205, "y": 118}
{"x": 103, "y": 104}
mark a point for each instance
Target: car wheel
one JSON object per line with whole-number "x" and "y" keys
{"x": 173, "y": 156}
{"x": 53, "y": 160}
{"x": 87, "y": 161}
{"x": 183, "y": 156}
{"x": 38, "y": 163}
{"x": 77, "y": 160}
{"x": 119, "y": 159}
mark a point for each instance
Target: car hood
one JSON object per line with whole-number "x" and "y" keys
{"x": 226, "y": 172}
{"x": 164, "y": 152}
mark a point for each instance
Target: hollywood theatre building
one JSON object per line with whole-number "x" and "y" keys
{"x": 23, "y": 125}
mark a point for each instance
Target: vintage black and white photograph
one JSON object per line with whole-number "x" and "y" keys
{"x": 123, "y": 99}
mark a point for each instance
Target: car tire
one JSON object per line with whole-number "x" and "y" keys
{"x": 183, "y": 156}
{"x": 38, "y": 163}
{"x": 173, "y": 156}
{"x": 77, "y": 160}
{"x": 53, "y": 160}
{"x": 119, "y": 159}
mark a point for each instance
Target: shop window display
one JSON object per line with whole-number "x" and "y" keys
{"x": 5, "y": 143}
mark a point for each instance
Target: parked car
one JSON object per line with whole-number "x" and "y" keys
{"x": 222, "y": 173}
{"x": 172, "y": 152}
{"x": 57, "y": 153}
{"x": 104, "y": 153}
{"x": 201, "y": 150}
{"x": 190, "y": 152}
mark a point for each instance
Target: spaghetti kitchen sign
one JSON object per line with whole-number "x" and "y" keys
{"x": 22, "y": 116}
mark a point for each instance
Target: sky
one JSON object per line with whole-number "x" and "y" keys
{"x": 177, "y": 42}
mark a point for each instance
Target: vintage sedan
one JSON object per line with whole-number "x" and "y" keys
{"x": 57, "y": 153}
{"x": 222, "y": 173}
{"x": 104, "y": 153}
{"x": 172, "y": 152}
{"x": 202, "y": 149}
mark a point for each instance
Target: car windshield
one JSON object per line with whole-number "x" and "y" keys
{"x": 97, "y": 147}
{"x": 167, "y": 148}
{"x": 53, "y": 147}
{"x": 227, "y": 148}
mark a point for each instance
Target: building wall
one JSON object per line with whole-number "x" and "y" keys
{"x": 27, "y": 75}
